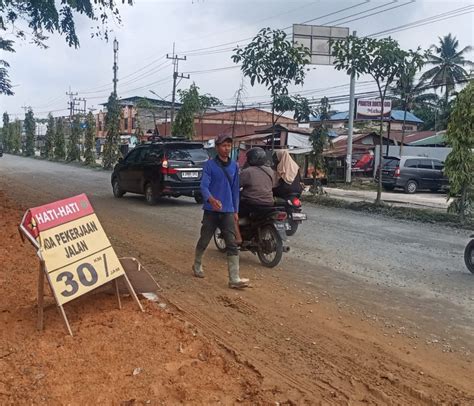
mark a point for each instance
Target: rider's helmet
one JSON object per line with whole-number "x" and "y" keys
{"x": 256, "y": 156}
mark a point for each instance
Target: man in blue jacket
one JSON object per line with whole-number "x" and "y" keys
{"x": 220, "y": 192}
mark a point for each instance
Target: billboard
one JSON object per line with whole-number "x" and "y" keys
{"x": 317, "y": 39}
{"x": 371, "y": 109}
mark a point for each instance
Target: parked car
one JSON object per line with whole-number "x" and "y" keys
{"x": 167, "y": 167}
{"x": 1, "y": 150}
{"x": 413, "y": 174}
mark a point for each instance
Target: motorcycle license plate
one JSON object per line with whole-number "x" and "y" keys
{"x": 280, "y": 226}
{"x": 299, "y": 216}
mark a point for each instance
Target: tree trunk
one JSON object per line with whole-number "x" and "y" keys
{"x": 379, "y": 186}
{"x": 273, "y": 123}
{"x": 403, "y": 127}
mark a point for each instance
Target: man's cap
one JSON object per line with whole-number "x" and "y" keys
{"x": 222, "y": 138}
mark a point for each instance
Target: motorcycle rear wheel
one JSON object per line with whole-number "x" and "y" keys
{"x": 219, "y": 240}
{"x": 293, "y": 228}
{"x": 270, "y": 247}
{"x": 469, "y": 256}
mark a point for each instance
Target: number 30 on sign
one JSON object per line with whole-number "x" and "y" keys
{"x": 85, "y": 275}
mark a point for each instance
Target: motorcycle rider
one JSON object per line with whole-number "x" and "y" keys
{"x": 288, "y": 173}
{"x": 256, "y": 182}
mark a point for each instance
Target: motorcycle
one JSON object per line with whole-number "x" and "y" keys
{"x": 469, "y": 254}
{"x": 263, "y": 234}
{"x": 292, "y": 205}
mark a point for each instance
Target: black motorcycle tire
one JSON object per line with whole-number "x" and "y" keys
{"x": 469, "y": 256}
{"x": 278, "y": 248}
{"x": 219, "y": 240}
{"x": 293, "y": 228}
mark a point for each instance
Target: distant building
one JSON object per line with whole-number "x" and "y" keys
{"x": 341, "y": 120}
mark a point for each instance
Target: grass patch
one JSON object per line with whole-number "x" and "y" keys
{"x": 402, "y": 213}
{"x": 357, "y": 184}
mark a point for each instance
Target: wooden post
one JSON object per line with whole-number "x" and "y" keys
{"x": 40, "y": 295}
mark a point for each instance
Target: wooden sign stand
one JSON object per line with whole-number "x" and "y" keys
{"x": 41, "y": 276}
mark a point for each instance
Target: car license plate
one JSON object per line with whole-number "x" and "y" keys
{"x": 190, "y": 174}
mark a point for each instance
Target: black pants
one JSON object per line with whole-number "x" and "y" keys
{"x": 225, "y": 221}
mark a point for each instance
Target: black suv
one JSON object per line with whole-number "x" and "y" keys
{"x": 1, "y": 150}
{"x": 164, "y": 168}
{"x": 413, "y": 173}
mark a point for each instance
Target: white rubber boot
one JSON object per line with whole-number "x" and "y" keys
{"x": 235, "y": 282}
{"x": 197, "y": 267}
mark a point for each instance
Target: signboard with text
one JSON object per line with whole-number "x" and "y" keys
{"x": 372, "y": 109}
{"x": 77, "y": 254}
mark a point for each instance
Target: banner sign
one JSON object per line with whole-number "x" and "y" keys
{"x": 371, "y": 109}
{"x": 77, "y": 254}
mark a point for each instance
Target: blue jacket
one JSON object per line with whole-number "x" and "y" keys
{"x": 215, "y": 183}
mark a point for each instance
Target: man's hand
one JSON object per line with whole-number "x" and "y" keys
{"x": 215, "y": 204}
{"x": 236, "y": 217}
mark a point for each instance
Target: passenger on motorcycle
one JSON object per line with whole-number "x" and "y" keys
{"x": 256, "y": 181}
{"x": 288, "y": 174}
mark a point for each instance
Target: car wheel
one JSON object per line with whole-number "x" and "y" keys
{"x": 411, "y": 187}
{"x": 198, "y": 199}
{"x": 149, "y": 194}
{"x": 117, "y": 190}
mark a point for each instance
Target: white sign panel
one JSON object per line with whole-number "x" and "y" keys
{"x": 317, "y": 39}
{"x": 370, "y": 109}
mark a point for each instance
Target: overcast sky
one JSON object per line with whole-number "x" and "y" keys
{"x": 149, "y": 28}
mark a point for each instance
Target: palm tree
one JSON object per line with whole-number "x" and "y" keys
{"x": 448, "y": 64}
{"x": 410, "y": 95}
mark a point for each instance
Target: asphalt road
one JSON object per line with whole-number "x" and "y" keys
{"x": 408, "y": 271}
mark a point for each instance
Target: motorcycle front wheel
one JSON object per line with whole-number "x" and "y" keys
{"x": 219, "y": 240}
{"x": 469, "y": 256}
{"x": 270, "y": 247}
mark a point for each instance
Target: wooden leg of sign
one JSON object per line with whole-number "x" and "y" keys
{"x": 117, "y": 291}
{"x": 61, "y": 309}
{"x": 132, "y": 292}
{"x": 40, "y": 295}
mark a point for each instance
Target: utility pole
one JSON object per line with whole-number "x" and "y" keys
{"x": 115, "y": 68}
{"x": 176, "y": 75}
{"x": 350, "y": 129}
{"x": 71, "y": 103}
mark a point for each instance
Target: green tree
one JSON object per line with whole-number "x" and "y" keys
{"x": 89, "y": 154}
{"x": 459, "y": 165}
{"x": 5, "y": 139}
{"x": 319, "y": 139}
{"x": 272, "y": 60}
{"x": 30, "y": 128}
{"x": 73, "y": 146}
{"x": 112, "y": 125}
{"x": 15, "y": 134}
{"x": 299, "y": 105}
{"x": 192, "y": 103}
{"x": 49, "y": 16}
{"x": 384, "y": 60}
{"x": 448, "y": 65}
{"x": 411, "y": 94}
{"x": 49, "y": 138}
{"x": 59, "y": 141}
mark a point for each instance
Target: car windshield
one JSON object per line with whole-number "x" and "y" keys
{"x": 187, "y": 154}
{"x": 391, "y": 162}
